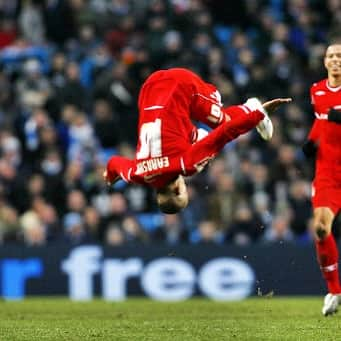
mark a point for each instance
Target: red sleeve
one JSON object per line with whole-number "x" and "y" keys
{"x": 194, "y": 159}
{"x": 119, "y": 167}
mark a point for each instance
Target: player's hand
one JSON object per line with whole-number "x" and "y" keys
{"x": 334, "y": 116}
{"x": 107, "y": 179}
{"x": 273, "y": 105}
{"x": 309, "y": 149}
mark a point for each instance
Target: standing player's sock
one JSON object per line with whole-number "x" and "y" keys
{"x": 328, "y": 258}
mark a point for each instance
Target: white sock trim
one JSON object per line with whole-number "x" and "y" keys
{"x": 329, "y": 268}
{"x": 255, "y": 104}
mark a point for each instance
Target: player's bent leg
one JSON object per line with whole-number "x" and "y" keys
{"x": 327, "y": 255}
{"x": 322, "y": 222}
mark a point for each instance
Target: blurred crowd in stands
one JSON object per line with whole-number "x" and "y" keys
{"x": 70, "y": 72}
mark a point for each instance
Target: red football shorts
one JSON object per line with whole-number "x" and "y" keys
{"x": 326, "y": 194}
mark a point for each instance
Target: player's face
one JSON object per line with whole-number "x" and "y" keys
{"x": 332, "y": 60}
{"x": 181, "y": 191}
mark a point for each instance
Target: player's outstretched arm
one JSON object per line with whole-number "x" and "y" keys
{"x": 118, "y": 168}
{"x": 108, "y": 180}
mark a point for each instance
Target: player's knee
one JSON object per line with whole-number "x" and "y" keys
{"x": 322, "y": 229}
{"x": 321, "y": 232}
{"x": 322, "y": 225}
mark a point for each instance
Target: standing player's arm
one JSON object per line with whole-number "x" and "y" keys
{"x": 314, "y": 134}
{"x": 310, "y": 146}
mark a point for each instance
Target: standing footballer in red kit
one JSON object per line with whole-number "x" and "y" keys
{"x": 324, "y": 143}
{"x": 170, "y": 146}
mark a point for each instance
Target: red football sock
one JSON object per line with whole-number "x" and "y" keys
{"x": 328, "y": 258}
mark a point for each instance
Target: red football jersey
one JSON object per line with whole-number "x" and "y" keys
{"x": 167, "y": 139}
{"x": 325, "y": 133}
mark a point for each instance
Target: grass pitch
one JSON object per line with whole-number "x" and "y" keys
{"x": 258, "y": 318}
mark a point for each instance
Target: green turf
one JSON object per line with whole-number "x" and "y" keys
{"x": 141, "y": 319}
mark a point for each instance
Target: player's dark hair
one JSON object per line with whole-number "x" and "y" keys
{"x": 169, "y": 200}
{"x": 335, "y": 40}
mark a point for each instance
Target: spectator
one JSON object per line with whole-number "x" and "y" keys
{"x": 31, "y": 22}
{"x": 245, "y": 228}
{"x": 224, "y": 200}
{"x": 33, "y": 88}
{"x": 133, "y": 231}
{"x": 76, "y": 201}
{"x": 280, "y": 230}
{"x": 299, "y": 201}
{"x": 33, "y": 230}
{"x": 73, "y": 91}
{"x": 93, "y": 223}
{"x": 9, "y": 224}
{"x": 207, "y": 233}
{"x": 8, "y": 32}
{"x": 106, "y": 125}
{"x": 114, "y": 235}
{"x": 74, "y": 229}
{"x": 171, "y": 232}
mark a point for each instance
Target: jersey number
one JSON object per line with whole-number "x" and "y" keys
{"x": 150, "y": 140}
{"x": 215, "y": 114}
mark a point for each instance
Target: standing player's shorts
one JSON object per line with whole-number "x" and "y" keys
{"x": 326, "y": 193}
